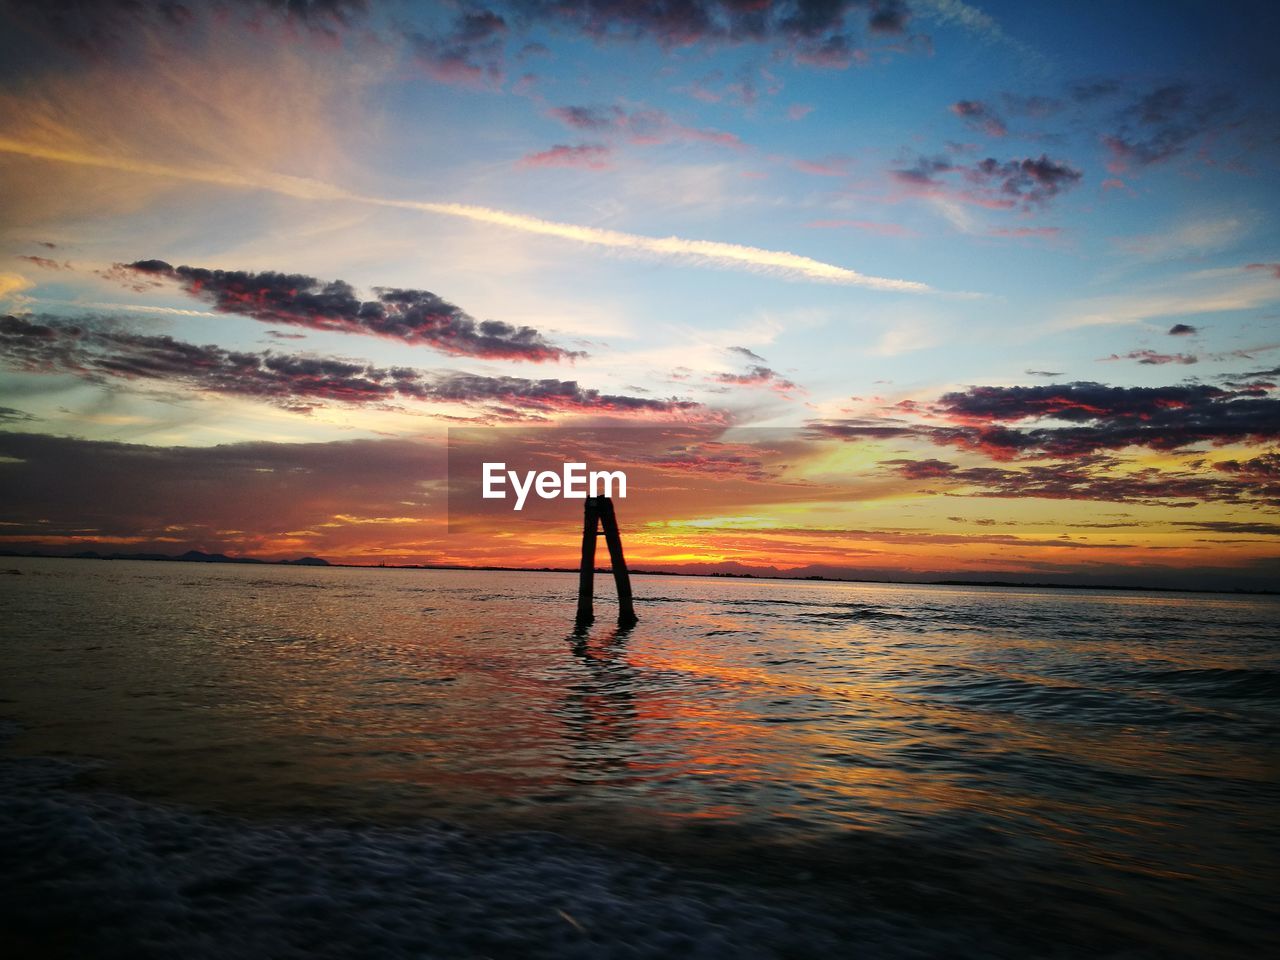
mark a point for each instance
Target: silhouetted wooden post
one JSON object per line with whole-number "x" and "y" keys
{"x": 598, "y": 511}
{"x": 622, "y": 579}
{"x": 587, "y": 570}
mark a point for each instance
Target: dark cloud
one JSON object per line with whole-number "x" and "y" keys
{"x": 861, "y": 429}
{"x": 1030, "y": 180}
{"x": 984, "y": 522}
{"x": 756, "y": 376}
{"x": 1025, "y": 183}
{"x": 464, "y": 42}
{"x": 39, "y": 347}
{"x": 1044, "y": 373}
{"x": 1163, "y": 123}
{"x": 980, "y": 116}
{"x": 923, "y": 469}
{"x": 641, "y": 126}
{"x": 1272, "y": 372}
{"x": 888, "y": 16}
{"x": 836, "y": 52}
{"x": 412, "y": 316}
{"x": 548, "y": 395}
{"x": 925, "y": 170}
{"x": 292, "y": 381}
{"x": 472, "y": 53}
{"x": 45, "y": 263}
{"x": 1088, "y": 478}
{"x": 1264, "y": 468}
{"x": 1182, "y": 330}
{"x": 1032, "y": 105}
{"x": 804, "y": 26}
{"x": 95, "y": 28}
{"x": 588, "y": 118}
{"x": 1105, "y": 417}
{"x": 989, "y": 420}
{"x": 315, "y": 12}
{"x": 1077, "y": 402}
{"x": 749, "y": 354}
{"x": 1093, "y": 90}
{"x": 1153, "y": 359}
{"x": 1261, "y": 529}
{"x": 11, "y": 415}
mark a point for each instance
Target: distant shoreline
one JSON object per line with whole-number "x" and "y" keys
{"x": 195, "y": 556}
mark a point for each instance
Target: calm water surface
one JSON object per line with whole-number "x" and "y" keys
{"x": 1026, "y": 773}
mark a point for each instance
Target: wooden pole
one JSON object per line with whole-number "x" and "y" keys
{"x": 587, "y": 569}
{"x": 622, "y": 579}
{"x": 596, "y": 513}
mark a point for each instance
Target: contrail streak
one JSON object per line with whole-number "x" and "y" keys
{"x": 130, "y": 307}
{"x": 716, "y": 253}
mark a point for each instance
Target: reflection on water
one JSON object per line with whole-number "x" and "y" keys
{"x": 599, "y": 711}
{"x": 1097, "y": 769}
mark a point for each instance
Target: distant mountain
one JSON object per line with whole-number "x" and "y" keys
{"x": 191, "y": 556}
{"x": 195, "y": 556}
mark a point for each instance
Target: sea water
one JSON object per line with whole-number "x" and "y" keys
{"x": 243, "y": 760}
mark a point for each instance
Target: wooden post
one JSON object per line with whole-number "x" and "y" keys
{"x": 598, "y": 511}
{"x": 621, "y": 578}
{"x": 587, "y": 569}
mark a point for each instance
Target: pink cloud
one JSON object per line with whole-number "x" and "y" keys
{"x": 836, "y": 52}
{"x": 757, "y": 376}
{"x": 585, "y": 156}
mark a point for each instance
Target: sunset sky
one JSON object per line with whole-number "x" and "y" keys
{"x": 894, "y": 289}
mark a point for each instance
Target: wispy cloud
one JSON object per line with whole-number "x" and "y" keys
{"x": 975, "y": 21}
{"x": 757, "y": 376}
{"x": 643, "y": 125}
{"x": 1096, "y": 479}
{"x": 1191, "y": 238}
{"x": 1206, "y": 291}
{"x": 1163, "y": 124}
{"x": 716, "y": 253}
{"x": 590, "y": 156}
{"x": 1073, "y": 422}
{"x": 1153, "y": 358}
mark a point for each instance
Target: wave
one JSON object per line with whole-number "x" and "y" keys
{"x": 103, "y": 875}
